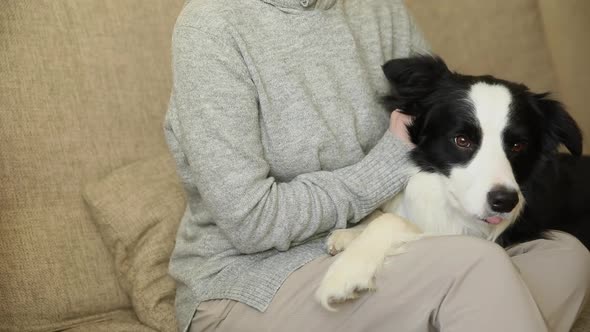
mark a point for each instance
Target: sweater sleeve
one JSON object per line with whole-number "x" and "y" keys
{"x": 216, "y": 127}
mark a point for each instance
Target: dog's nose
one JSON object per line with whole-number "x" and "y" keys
{"x": 502, "y": 199}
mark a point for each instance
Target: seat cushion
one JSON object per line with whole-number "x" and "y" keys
{"x": 121, "y": 321}
{"x": 137, "y": 210}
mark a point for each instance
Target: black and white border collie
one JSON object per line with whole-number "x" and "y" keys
{"x": 484, "y": 149}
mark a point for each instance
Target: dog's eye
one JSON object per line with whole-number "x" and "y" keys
{"x": 463, "y": 141}
{"x": 518, "y": 147}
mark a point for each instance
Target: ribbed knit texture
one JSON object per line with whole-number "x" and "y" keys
{"x": 279, "y": 136}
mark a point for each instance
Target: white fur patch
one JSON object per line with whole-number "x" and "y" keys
{"x": 353, "y": 272}
{"x": 490, "y": 166}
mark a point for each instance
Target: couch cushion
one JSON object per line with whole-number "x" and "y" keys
{"x": 120, "y": 321}
{"x": 511, "y": 44}
{"x": 84, "y": 88}
{"x": 137, "y": 210}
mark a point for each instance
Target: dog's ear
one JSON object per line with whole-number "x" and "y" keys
{"x": 561, "y": 127}
{"x": 412, "y": 79}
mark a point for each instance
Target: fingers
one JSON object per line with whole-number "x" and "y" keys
{"x": 398, "y": 125}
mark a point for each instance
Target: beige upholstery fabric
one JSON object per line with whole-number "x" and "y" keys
{"x": 121, "y": 321}
{"x": 503, "y": 38}
{"x": 137, "y": 210}
{"x": 83, "y": 89}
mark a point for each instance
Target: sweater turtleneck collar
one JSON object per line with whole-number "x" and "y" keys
{"x": 302, "y": 4}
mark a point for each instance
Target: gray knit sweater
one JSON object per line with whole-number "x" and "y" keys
{"x": 278, "y": 134}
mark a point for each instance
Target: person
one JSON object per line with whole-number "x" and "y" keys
{"x": 279, "y": 137}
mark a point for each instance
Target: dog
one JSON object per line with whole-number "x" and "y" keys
{"x": 485, "y": 164}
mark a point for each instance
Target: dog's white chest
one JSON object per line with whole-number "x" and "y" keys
{"x": 426, "y": 203}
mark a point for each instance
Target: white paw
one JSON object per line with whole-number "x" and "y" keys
{"x": 340, "y": 239}
{"x": 346, "y": 279}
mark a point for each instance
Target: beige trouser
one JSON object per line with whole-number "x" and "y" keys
{"x": 451, "y": 283}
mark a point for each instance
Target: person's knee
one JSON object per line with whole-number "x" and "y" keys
{"x": 573, "y": 253}
{"x": 573, "y": 250}
{"x": 463, "y": 253}
{"x": 566, "y": 240}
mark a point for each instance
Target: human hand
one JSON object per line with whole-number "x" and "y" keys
{"x": 398, "y": 126}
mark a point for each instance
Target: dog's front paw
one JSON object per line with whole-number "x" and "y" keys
{"x": 340, "y": 239}
{"x": 346, "y": 279}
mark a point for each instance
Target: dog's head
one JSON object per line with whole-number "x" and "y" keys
{"x": 484, "y": 135}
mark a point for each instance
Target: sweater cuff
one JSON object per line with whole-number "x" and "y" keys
{"x": 383, "y": 173}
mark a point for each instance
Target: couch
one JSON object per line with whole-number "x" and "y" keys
{"x": 89, "y": 201}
